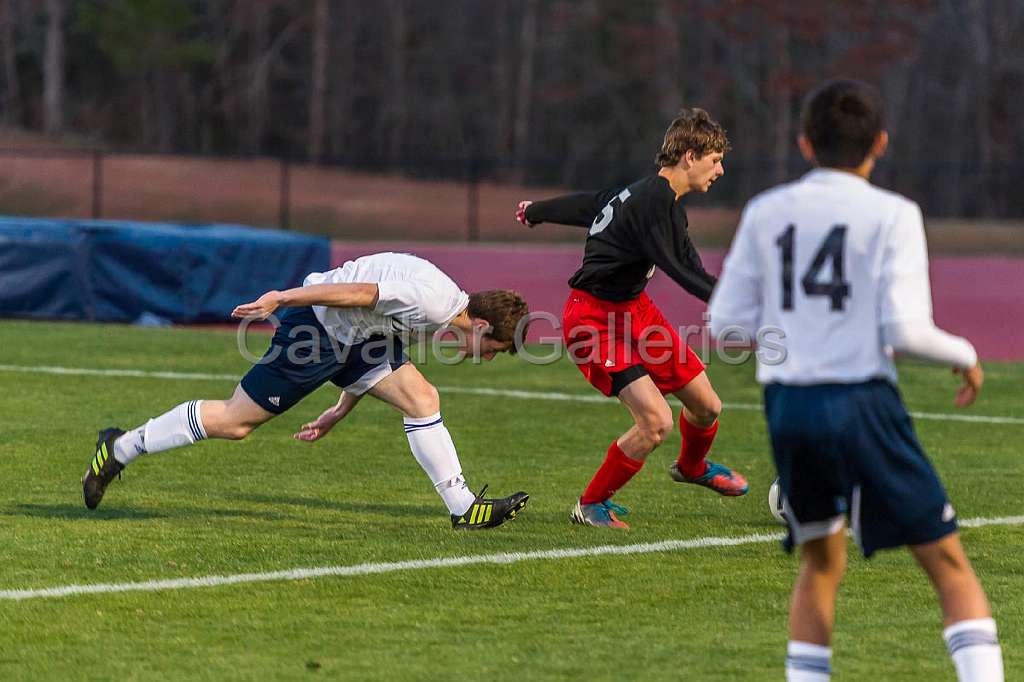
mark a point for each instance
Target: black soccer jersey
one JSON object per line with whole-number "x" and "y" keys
{"x": 632, "y": 231}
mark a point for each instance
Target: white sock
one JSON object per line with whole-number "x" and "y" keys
{"x": 456, "y": 495}
{"x": 432, "y": 446}
{"x": 182, "y": 425}
{"x": 975, "y": 650}
{"x": 808, "y": 662}
{"x": 130, "y": 445}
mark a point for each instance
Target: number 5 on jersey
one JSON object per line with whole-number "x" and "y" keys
{"x": 602, "y": 221}
{"x": 837, "y": 289}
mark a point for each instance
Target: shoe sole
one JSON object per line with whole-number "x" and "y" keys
{"x": 85, "y": 495}
{"x": 511, "y": 513}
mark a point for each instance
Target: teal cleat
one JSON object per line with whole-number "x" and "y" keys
{"x": 718, "y": 477}
{"x": 601, "y": 514}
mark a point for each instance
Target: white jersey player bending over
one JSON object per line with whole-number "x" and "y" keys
{"x": 841, "y": 268}
{"x": 346, "y": 326}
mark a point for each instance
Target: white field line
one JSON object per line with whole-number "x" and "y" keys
{"x": 423, "y": 564}
{"x": 471, "y": 390}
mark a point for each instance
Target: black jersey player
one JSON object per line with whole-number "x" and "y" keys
{"x": 618, "y": 337}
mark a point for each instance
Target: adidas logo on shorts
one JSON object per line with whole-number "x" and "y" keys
{"x": 275, "y": 400}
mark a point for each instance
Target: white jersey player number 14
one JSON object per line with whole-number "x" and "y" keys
{"x": 836, "y": 289}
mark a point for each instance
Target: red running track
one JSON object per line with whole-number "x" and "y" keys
{"x": 980, "y": 297}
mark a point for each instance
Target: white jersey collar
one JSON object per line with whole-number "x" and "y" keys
{"x": 833, "y": 176}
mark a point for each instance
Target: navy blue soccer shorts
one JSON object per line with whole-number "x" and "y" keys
{"x": 303, "y": 356}
{"x": 850, "y": 450}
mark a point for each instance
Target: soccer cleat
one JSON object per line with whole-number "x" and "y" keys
{"x": 718, "y": 477}
{"x": 601, "y": 514}
{"x": 102, "y": 469}
{"x": 490, "y": 513}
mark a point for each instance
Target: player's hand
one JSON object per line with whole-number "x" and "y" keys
{"x": 259, "y": 309}
{"x": 315, "y": 430}
{"x": 521, "y": 213}
{"x": 973, "y": 379}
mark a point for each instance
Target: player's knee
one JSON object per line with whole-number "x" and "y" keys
{"x": 424, "y": 401}
{"x": 237, "y": 431}
{"x": 948, "y": 560}
{"x": 825, "y": 565}
{"x": 714, "y": 408}
{"x": 656, "y": 427}
{"x": 664, "y": 427}
{"x": 708, "y": 409}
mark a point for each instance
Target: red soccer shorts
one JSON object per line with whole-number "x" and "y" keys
{"x": 614, "y": 343}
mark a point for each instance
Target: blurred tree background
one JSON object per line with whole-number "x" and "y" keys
{"x": 575, "y": 93}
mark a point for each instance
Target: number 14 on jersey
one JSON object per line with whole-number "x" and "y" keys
{"x": 836, "y": 289}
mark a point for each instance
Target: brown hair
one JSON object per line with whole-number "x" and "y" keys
{"x": 503, "y": 309}
{"x": 841, "y": 119}
{"x": 692, "y": 129}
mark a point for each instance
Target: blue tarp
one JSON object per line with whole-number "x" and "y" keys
{"x": 117, "y": 271}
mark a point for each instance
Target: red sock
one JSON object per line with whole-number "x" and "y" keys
{"x": 696, "y": 443}
{"x": 616, "y": 471}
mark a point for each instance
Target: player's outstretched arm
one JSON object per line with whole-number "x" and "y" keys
{"x": 317, "y": 429}
{"x": 332, "y": 295}
{"x": 570, "y": 209}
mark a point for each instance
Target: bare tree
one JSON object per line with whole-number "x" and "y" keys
{"x": 502, "y": 81}
{"x": 524, "y": 89}
{"x": 12, "y": 94}
{"x": 257, "y": 73}
{"x": 668, "y": 56}
{"x": 342, "y": 75}
{"x": 318, "y": 89}
{"x": 398, "y": 56}
{"x": 981, "y": 53}
{"x": 53, "y": 68}
{"x": 782, "y": 105}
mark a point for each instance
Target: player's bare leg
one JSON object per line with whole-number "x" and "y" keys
{"x": 698, "y": 425}
{"x": 813, "y": 606}
{"x": 185, "y": 424}
{"x": 701, "y": 405}
{"x": 960, "y": 594}
{"x": 970, "y": 631}
{"x": 652, "y": 419}
{"x": 652, "y": 422}
{"x": 234, "y": 418}
{"x": 408, "y": 391}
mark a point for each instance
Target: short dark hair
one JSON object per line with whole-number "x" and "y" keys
{"x": 842, "y": 118}
{"x": 691, "y": 129}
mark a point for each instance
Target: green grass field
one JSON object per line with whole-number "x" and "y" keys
{"x": 271, "y": 503}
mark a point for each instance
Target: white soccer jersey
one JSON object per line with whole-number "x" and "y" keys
{"x": 413, "y": 296}
{"x": 827, "y": 260}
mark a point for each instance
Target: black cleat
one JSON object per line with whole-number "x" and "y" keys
{"x": 490, "y": 513}
{"x": 102, "y": 469}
